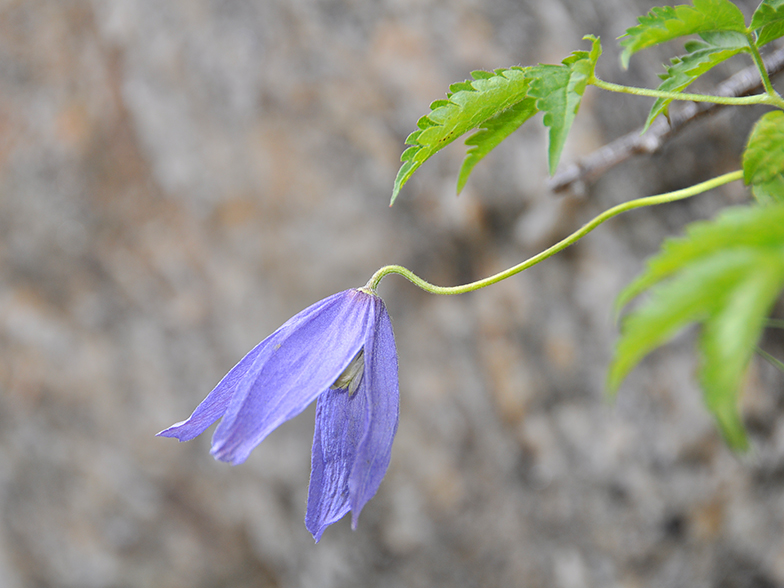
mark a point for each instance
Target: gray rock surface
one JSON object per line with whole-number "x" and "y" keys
{"x": 177, "y": 178}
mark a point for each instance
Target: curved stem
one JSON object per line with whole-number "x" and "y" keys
{"x": 772, "y": 100}
{"x": 563, "y": 244}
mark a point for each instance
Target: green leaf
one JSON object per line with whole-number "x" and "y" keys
{"x": 768, "y": 21}
{"x": 726, "y": 275}
{"x": 559, "y": 90}
{"x": 672, "y": 306}
{"x": 729, "y": 338}
{"x": 665, "y": 23}
{"x": 741, "y": 226}
{"x": 494, "y": 130}
{"x": 763, "y": 159}
{"x": 701, "y": 57}
{"x": 468, "y": 105}
{"x": 770, "y": 191}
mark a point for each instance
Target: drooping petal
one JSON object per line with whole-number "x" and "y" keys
{"x": 339, "y": 428}
{"x": 214, "y": 406}
{"x": 299, "y": 362}
{"x": 352, "y": 442}
{"x": 382, "y": 408}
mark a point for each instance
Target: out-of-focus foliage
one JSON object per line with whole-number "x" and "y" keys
{"x": 724, "y": 274}
{"x": 763, "y": 159}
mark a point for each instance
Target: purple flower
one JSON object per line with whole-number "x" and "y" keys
{"x": 340, "y": 351}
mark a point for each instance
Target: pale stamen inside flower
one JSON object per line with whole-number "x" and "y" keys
{"x": 352, "y": 375}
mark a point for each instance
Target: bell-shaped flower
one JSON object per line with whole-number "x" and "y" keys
{"x": 340, "y": 351}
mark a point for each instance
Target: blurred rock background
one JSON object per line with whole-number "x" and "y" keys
{"x": 178, "y": 177}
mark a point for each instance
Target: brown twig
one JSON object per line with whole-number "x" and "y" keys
{"x": 595, "y": 164}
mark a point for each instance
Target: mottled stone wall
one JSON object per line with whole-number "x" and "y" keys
{"x": 178, "y": 177}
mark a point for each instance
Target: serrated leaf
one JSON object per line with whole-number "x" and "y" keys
{"x": 494, "y": 130}
{"x": 729, "y": 337}
{"x": 481, "y": 74}
{"x": 740, "y": 226}
{"x": 768, "y": 21}
{"x": 559, "y": 90}
{"x": 703, "y": 55}
{"x": 724, "y": 274}
{"x": 763, "y": 159}
{"x": 665, "y": 23}
{"x": 672, "y": 306}
{"x": 468, "y": 105}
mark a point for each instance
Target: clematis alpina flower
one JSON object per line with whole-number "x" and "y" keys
{"x": 340, "y": 351}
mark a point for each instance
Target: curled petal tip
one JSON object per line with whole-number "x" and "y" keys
{"x": 173, "y": 431}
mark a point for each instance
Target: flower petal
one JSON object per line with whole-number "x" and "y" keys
{"x": 380, "y": 388}
{"x": 300, "y": 361}
{"x": 214, "y": 406}
{"x": 352, "y": 441}
{"x": 339, "y": 428}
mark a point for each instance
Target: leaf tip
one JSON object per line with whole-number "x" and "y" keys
{"x": 462, "y": 177}
{"x": 732, "y": 429}
{"x": 614, "y": 379}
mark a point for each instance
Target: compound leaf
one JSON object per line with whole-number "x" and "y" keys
{"x": 665, "y": 23}
{"x": 768, "y": 21}
{"x": 558, "y": 90}
{"x": 468, "y": 104}
{"x": 688, "y": 297}
{"x": 702, "y": 55}
{"x": 738, "y": 226}
{"x": 494, "y": 130}
{"x": 729, "y": 338}
{"x": 726, "y": 275}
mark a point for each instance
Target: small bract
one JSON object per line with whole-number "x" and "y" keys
{"x": 340, "y": 351}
